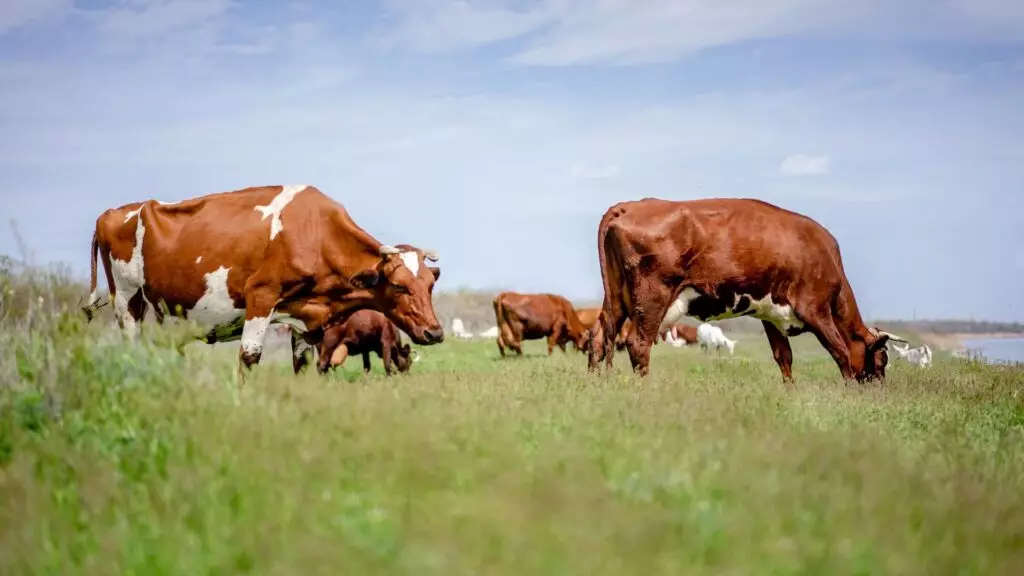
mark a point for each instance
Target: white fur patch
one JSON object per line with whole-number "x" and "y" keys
{"x": 215, "y": 307}
{"x": 277, "y": 205}
{"x": 680, "y": 307}
{"x": 129, "y": 278}
{"x": 131, "y": 215}
{"x": 93, "y": 297}
{"x": 781, "y": 316}
{"x": 411, "y": 261}
{"x": 198, "y": 260}
{"x": 254, "y": 333}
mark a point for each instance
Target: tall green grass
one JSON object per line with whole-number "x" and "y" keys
{"x": 120, "y": 457}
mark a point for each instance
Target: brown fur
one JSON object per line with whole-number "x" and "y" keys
{"x": 533, "y": 316}
{"x": 363, "y": 332}
{"x": 652, "y": 249}
{"x": 320, "y": 266}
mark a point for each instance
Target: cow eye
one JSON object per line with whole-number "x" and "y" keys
{"x": 399, "y": 288}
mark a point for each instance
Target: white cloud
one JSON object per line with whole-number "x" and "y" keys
{"x": 17, "y": 13}
{"x": 591, "y": 172}
{"x": 804, "y": 165}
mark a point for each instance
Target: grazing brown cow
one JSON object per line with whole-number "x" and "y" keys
{"x": 361, "y": 333}
{"x": 684, "y": 332}
{"x": 534, "y": 316}
{"x": 237, "y": 262}
{"x": 722, "y": 258}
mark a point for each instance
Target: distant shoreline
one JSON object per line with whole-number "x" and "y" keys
{"x": 958, "y": 341}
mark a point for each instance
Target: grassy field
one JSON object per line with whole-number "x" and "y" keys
{"x": 131, "y": 458}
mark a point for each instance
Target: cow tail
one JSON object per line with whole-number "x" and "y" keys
{"x": 91, "y": 303}
{"x": 504, "y": 332}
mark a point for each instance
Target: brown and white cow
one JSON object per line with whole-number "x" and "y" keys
{"x": 533, "y": 316}
{"x": 361, "y": 333}
{"x": 720, "y": 258}
{"x": 237, "y": 262}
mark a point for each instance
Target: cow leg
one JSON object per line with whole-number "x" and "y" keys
{"x": 128, "y": 311}
{"x": 328, "y": 347}
{"x": 302, "y": 352}
{"x": 553, "y": 339}
{"x": 386, "y": 359}
{"x": 366, "y": 361}
{"x": 781, "y": 350}
{"x": 501, "y": 344}
{"x": 260, "y": 300}
{"x": 655, "y": 300}
{"x": 830, "y": 339}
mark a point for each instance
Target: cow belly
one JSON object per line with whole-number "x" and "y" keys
{"x": 705, "y": 308}
{"x": 216, "y": 307}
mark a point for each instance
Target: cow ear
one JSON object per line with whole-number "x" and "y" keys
{"x": 366, "y": 279}
{"x": 436, "y": 271}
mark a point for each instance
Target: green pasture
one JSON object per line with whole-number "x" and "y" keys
{"x": 128, "y": 458}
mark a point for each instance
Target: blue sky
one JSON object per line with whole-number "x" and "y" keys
{"x": 498, "y": 131}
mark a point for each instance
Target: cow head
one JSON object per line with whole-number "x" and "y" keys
{"x": 402, "y": 287}
{"x": 870, "y": 356}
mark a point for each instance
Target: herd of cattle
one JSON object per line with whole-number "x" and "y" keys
{"x": 237, "y": 263}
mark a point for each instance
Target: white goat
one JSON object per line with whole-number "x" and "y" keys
{"x": 920, "y": 356}
{"x": 708, "y": 335}
{"x": 460, "y": 330}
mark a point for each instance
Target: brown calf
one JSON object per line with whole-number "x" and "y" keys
{"x": 361, "y": 333}
{"x": 533, "y": 316}
{"x": 722, "y": 258}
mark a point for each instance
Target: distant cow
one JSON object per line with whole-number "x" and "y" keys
{"x": 720, "y": 258}
{"x": 920, "y": 356}
{"x": 708, "y": 336}
{"x": 237, "y": 262}
{"x": 683, "y": 333}
{"x": 533, "y": 316}
{"x": 363, "y": 332}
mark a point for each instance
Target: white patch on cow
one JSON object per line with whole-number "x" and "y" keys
{"x": 215, "y": 307}
{"x": 254, "y": 333}
{"x": 782, "y": 316}
{"x": 129, "y": 278}
{"x": 131, "y": 215}
{"x": 277, "y": 205}
{"x": 93, "y": 297}
{"x": 412, "y": 261}
{"x": 680, "y": 307}
{"x": 198, "y": 260}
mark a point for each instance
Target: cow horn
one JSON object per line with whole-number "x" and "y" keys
{"x": 891, "y": 336}
{"x": 430, "y": 255}
{"x": 386, "y": 250}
